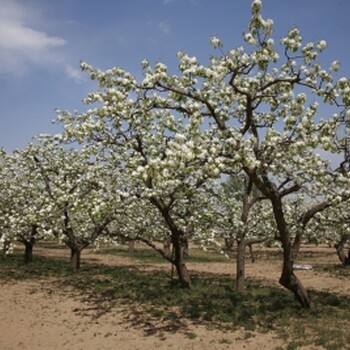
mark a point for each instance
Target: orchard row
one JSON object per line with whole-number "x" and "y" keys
{"x": 228, "y": 151}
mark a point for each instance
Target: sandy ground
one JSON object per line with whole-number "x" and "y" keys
{"x": 42, "y": 316}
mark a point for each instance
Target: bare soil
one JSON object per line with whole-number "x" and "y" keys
{"x": 42, "y": 316}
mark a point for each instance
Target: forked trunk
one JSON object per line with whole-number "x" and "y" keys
{"x": 178, "y": 238}
{"x": 240, "y": 266}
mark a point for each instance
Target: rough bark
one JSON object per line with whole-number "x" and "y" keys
{"x": 179, "y": 262}
{"x": 184, "y": 246}
{"x": 240, "y": 260}
{"x": 288, "y": 279}
{"x": 29, "y": 244}
{"x": 177, "y": 239}
{"x": 75, "y": 258}
{"x": 250, "y": 243}
{"x": 28, "y": 252}
{"x": 251, "y": 252}
{"x": 240, "y": 265}
{"x": 229, "y": 242}
{"x": 241, "y": 239}
{"x": 167, "y": 246}
{"x": 341, "y": 251}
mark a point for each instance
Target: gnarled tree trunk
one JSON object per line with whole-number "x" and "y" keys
{"x": 341, "y": 251}
{"x": 288, "y": 279}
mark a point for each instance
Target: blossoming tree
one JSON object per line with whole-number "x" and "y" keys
{"x": 6, "y": 241}
{"x": 247, "y": 110}
{"x": 27, "y": 215}
{"x": 162, "y": 156}
{"x": 244, "y": 217}
{"x": 332, "y": 227}
{"x": 76, "y": 194}
{"x": 258, "y": 104}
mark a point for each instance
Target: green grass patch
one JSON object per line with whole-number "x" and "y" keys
{"x": 148, "y": 255}
{"x": 211, "y": 301}
{"x": 13, "y": 268}
{"x": 335, "y": 270}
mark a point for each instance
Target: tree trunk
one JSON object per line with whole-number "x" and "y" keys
{"x": 184, "y": 276}
{"x": 340, "y": 247}
{"x": 75, "y": 259}
{"x": 177, "y": 236}
{"x": 29, "y": 244}
{"x": 251, "y": 252}
{"x": 179, "y": 262}
{"x": 229, "y": 241}
{"x": 240, "y": 266}
{"x": 288, "y": 279}
{"x": 131, "y": 247}
{"x": 167, "y": 246}
{"x": 28, "y": 253}
{"x": 241, "y": 238}
{"x": 184, "y": 247}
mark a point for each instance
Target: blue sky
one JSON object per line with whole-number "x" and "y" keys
{"x": 43, "y": 41}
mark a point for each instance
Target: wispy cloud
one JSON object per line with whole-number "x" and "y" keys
{"x": 74, "y": 73}
{"x": 165, "y": 2}
{"x": 23, "y": 46}
{"x": 164, "y": 27}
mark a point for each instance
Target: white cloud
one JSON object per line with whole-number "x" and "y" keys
{"x": 22, "y": 45}
{"x": 74, "y": 73}
{"x": 164, "y": 27}
{"x": 165, "y": 2}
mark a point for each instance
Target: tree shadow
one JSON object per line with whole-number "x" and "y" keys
{"x": 153, "y": 302}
